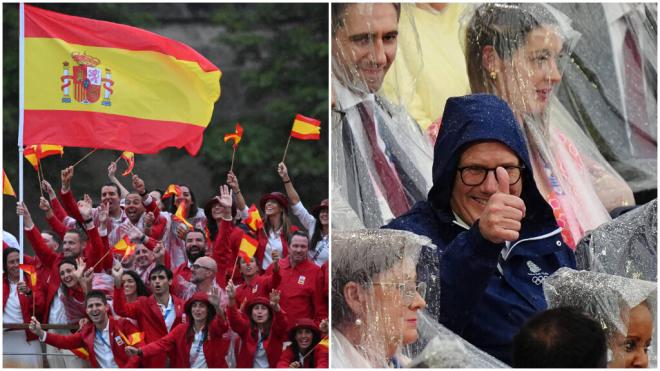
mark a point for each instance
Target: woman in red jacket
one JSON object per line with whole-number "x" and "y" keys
{"x": 262, "y": 328}
{"x": 305, "y": 350}
{"x": 200, "y": 343}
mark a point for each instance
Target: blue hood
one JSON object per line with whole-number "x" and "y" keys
{"x": 477, "y": 118}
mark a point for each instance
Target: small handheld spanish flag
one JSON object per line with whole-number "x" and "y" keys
{"x": 247, "y": 248}
{"x": 172, "y": 190}
{"x": 254, "y": 219}
{"x": 129, "y": 157}
{"x": 36, "y": 152}
{"x": 325, "y": 342}
{"x": 235, "y": 136}
{"x": 81, "y": 353}
{"x": 181, "y": 214}
{"x": 306, "y": 128}
{"x": 7, "y": 189}
{"x": 29, "y": 269}
{"x": 124, "y": 247}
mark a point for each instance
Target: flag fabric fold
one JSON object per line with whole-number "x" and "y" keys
{"x": 254, "y": 219}
{"x": 306, "y": 128}
{"x": 91, "y": 83}
{"x": 7, "y": 189}
{"x": 124, "y": 247}
{"x": 37, "y": 152}
{"x": 181, "y": 214}
{"x": 30, "y": 269}
{"x": 235, "y": 136}
{"x": 129, "y": 157}
{"x": 172, "y": 190}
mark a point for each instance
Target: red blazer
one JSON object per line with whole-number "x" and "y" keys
{"x": 85, "y": 338}
{"x": 240, "y": 323}
{"x": 302, "y": 290}
{"x": 25, "y": 302}
{"x": 319, "y": 355}
{"x": 149, "y": 318}
{"x": 92, "y": 252}
{"x": 260, "y": 285}
{"x": 215, "y": 347}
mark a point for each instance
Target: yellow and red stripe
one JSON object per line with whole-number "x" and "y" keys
{"x": 124, "y": 247}
{"x": 181, "y": 214}
{"x": 152, "y": 77}
{"x": 306, "y": 128}
{"x": 36, "y": 152}
{"x": 254, "y": 219}
{"x": 32, "y": 271}
{"x": 7, "y": 189}
{"x": 247, "y": 248}
{"x": 129, "y": 157}
{"x": 235, "y": 136}
{"x": 172, "y": 190}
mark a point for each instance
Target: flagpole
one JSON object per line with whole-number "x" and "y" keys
{"x": 234, "y": 270}
{"x": 231, "y": 168}
{"x": 100, "y": 260}
{"x": 286, "y": 148}
{"x": 21, "y": 105}
{"x": 84, "y": 157}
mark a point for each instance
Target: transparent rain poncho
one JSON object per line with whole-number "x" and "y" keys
{"x": 374, "y": 301}
{"x": 518, "y": 52}
{"x": 611, "y": 89}
{"x": 381, "y": 161}
{"x": 626, "y": 246}
{"x": 604, "y": 297}
{"x": 430, "y": 66}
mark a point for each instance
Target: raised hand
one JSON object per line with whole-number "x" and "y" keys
{"x": 282, "y": 170}
{"x": 275, "y": 299}
{"x": 112, "y": 169}
{"x": 133, "y": 232}
{"x": 21, "y": 209}
{"x": 181, "y": 230}
{"x": 104, "y": 211}
{"x": 66, "y": 175}
{"x": 44, "y": 204}
{"x": 149, "y": 219}
{"x": 214, "y": 298}
{"x": 85, "y": 208}
{"x": 159, "y": 252}
{"x": 48, "y": 189}
{"x": 231, "y": 291}
{"x": 82, "y": 323}
{"x": 22, "y": 287}
{"x": 117, "y": 272}
{"x": 87, "y": 278}
{"x": 232, "y": 181}
{"x": 501, "y": 219}
{"x": 78, "y": 273}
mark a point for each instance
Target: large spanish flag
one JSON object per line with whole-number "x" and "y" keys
{"x": 98, "y": 84}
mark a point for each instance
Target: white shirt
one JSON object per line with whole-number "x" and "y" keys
{"x": 260, "y": 357}
{"x": 103, "y": 348}
{"x": 168, "y": 313}
{"x": 12, "y": 312}
{"x": 274, "y": 243}
{"x": 321, "y": 253}
{"x": 57, "y": 313}
{"x": 197, "y": 359}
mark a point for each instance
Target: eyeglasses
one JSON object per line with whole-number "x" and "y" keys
{"x": 409, "y": 291}
{"x": 197, "y": 266}
{"x": 475, "y": 175}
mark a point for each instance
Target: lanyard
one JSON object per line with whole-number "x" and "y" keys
{"x": 100, "y": 335}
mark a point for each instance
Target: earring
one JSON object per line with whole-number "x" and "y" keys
{"x": 493, "y": 75}
{"x": 358, "y": 322}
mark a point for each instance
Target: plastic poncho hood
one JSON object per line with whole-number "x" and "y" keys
{"x": 478, "y": 118}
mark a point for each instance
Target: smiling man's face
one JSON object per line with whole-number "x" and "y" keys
{"x": 364, "y": 46}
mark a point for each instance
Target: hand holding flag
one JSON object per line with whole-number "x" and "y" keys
{"x": 304, "y": 128}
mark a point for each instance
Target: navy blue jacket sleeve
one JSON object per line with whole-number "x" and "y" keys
{"x": 466, "y": 266}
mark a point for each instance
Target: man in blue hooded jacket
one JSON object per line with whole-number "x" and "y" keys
{"x": 496, "y": 237}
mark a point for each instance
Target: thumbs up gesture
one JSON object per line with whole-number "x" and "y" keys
{"x": 501, "y": 219}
